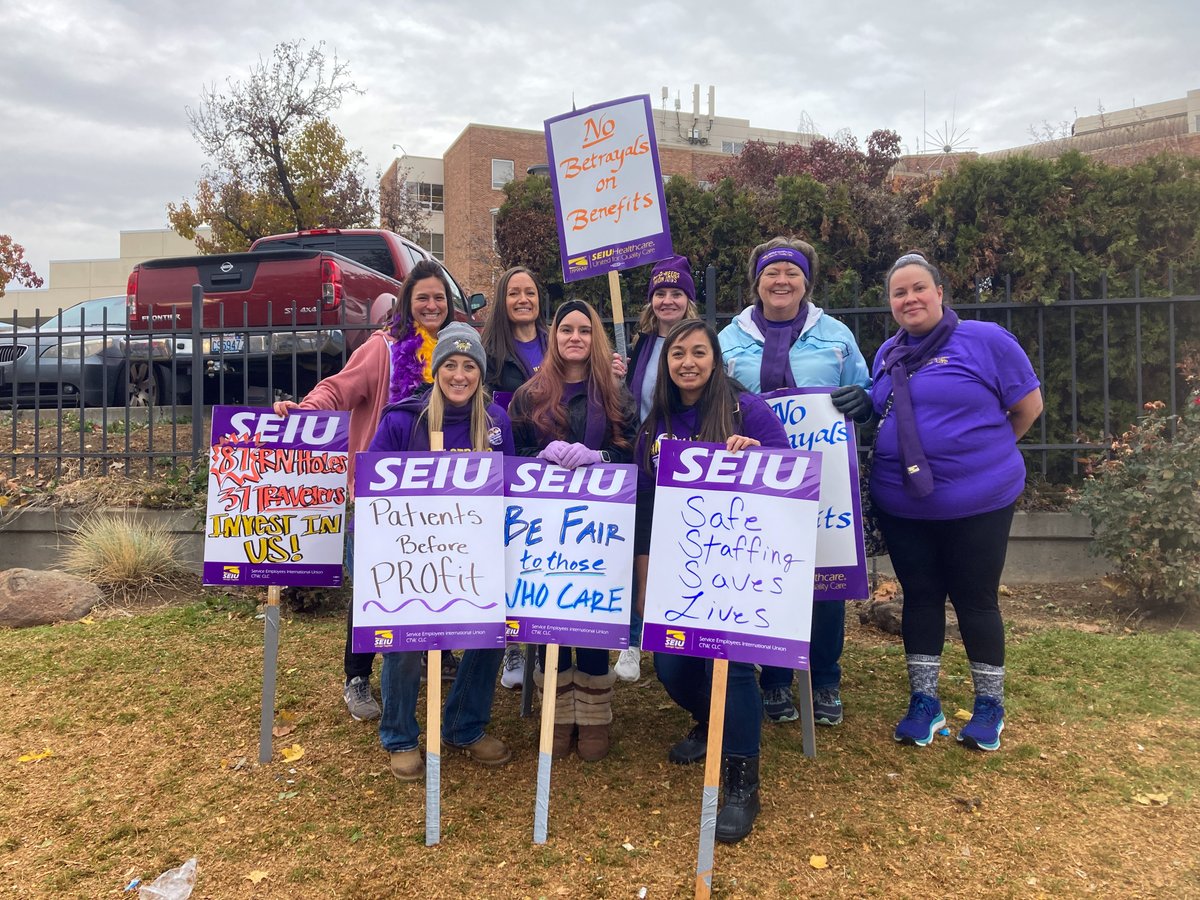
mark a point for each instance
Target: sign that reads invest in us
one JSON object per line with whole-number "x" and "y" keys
{"x": 276, "y": 512}
{"x": 608, "y": 190}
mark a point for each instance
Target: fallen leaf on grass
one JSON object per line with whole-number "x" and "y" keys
{"x": 1152, "y": 799}
{"x": 887, "y": 590}
{"x": 282, "y": 730}
{"x": 287, "y": 795}
{"x": 257, "y": 875}
{"x": 818, "y": 862}
{"x": 35, "y": 757}
{"x": 292, "y": 753}
{"x": 962, "y": 714}
{"x": 628, "y": 846}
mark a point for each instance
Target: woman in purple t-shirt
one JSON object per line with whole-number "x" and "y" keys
{"x": 514, "y": 336}
{"x": 954, "y": 397}
{"x": 457, "y": 406}
{"x": 695, "y": 400}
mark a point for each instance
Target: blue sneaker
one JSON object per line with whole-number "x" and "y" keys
{"x": 827, "y": 706}
{"x": 778, "y": 705}
{"x": 987, "y": 721}
{"x": 923, "y": 720}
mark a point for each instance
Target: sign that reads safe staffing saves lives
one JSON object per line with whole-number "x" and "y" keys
{"x": 731, "y": 554}
{"x": 608, "y": 190}
{"x": 428, "y": 539}
{"x": 568, "y": 537}
{"x": 276, "y": 512}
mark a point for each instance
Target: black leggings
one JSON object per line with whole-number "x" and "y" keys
{"x": 959, "y": 558}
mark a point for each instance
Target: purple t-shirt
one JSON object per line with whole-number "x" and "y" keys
{"x": 531, "y": 352}
{"x": 960, "y": 401}
{"x": 395, "y": 432}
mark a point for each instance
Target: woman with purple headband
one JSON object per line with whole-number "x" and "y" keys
{"x": 955, "y": 396}
{"x": 784, "y": 340}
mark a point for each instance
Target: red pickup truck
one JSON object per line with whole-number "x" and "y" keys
{"x": 281, "y": 315}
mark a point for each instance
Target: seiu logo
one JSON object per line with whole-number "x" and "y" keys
{"x": 675, "y": 639}
{"x": 384, "y": 637}
{"x": 231, "y": 573}
{"x": 598, "y": 481}
{"x": 285, "y": 429}
{"x": 431, "y": 473}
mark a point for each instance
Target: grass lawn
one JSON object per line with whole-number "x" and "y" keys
{"x": 151, "y": 723}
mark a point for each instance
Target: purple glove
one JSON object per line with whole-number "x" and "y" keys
{"x": 577, "y": 455}
{"x": 553, "y": 452}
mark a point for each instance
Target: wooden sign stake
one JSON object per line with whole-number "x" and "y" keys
{"x": 614, "y": 294}
{"x": 270, "y": 663}
{"x": 712, "y": 779}
{"x": 541, "y": 806}
{"x": 433, "y": 723}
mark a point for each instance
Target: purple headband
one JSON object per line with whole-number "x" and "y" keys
{"x": 778, "y": 254}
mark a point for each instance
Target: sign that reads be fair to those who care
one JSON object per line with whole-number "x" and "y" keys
{"x": 731, "y": 554}
{"x": 568, "y": 537}
{"x": 276, "y": 512}
{"x": 608, "y": 190}
{"x": 428, "y": 546}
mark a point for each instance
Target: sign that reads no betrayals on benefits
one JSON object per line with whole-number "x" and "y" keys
{"x": 608, "y": 190}
{"x": 568, "y": 544}
{"x": 812, "y": 423}
{"x": 731, "y": 554}
{"x": 276, "y": 512}
{"x": 428, "y": 540}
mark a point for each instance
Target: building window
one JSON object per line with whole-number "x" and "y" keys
{"x": 495, "y": 215}
{"x": 734, "y": 147}
{"x": 429, "y": 196}
{"x": 503, "y": 171}
{"x": 433, "y": 242}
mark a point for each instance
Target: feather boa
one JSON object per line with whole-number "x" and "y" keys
{"x": 412, "y": 362}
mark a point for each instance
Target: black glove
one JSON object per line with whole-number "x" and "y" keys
{"x": 854, "y": 402}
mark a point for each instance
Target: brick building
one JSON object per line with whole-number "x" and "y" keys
{"x": 463, "y": 190}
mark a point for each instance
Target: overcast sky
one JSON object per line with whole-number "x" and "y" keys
{"x": 96, "y": 139}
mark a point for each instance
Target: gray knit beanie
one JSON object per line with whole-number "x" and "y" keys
{"x": 459, "y": 337}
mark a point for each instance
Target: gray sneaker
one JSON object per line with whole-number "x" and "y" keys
{"x": 359, "y": 701}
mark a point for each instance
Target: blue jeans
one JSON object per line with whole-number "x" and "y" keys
{"x": 468, "y": 706}
{"x": 688, "y": 680}
{"x": 824, "y": 650}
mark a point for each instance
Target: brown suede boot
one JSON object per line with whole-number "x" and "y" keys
{"x": 564, "y": 711}
{"x": 593, "y": 712}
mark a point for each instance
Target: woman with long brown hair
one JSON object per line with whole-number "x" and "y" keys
{"x": 572, "y": 413}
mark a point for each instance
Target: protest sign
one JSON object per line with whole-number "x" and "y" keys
{"x": 608, "y": 190}
{"x": 568, "y": 544}
{"x": 812, "y": 423}
{"x": 732, "y": 553}
{"x": 428, "y": 536}
{"x": 276, "y": 511}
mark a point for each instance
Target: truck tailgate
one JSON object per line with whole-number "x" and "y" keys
{"x": 267, "y": 287}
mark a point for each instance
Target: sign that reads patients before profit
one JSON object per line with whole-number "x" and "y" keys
{"x": 731, "y": 554}
{"x": 812, "y": 423}
{"x": 276, "y": 512}
{"x": 608, "y": 190}
{"x": 568, "y": 543}
{"x": 428, "y": 540}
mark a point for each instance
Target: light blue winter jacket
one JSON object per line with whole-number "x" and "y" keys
{"x": 825, "y": 354}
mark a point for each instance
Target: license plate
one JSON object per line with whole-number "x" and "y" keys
{"x": 230, "y": 343}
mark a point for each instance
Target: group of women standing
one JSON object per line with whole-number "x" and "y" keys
{"x": 951, "y": 398}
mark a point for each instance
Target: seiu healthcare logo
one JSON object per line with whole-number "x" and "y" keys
{"x": 231, "y": 573}
{"x": 512, "y": 628}
{"x": 675, "y": 639}
{"x": 384, "y": 637}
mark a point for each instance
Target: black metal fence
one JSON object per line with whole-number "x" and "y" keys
{"x": 109, "y": 401}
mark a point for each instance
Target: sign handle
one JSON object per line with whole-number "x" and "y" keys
{"x": 808, "y": 731}
{"x": 614, "y": 294}
{"x": 712, "y": 779}
{"x": 270, "y": 664}
{"x": 433, "y": 723}
{"x": 541, "y": 806}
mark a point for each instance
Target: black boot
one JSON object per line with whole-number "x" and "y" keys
{"x": 693, "y": 748}
{"x": 736, "y": 818}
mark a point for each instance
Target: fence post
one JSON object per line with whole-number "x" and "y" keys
{"x": 710, "y": 296}
{"x": 197, "y": 372}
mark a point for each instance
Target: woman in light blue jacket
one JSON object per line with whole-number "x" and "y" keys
{"x": 782, "y": 341}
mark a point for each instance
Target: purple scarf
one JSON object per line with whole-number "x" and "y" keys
{"x": 900, "y": 361}
{"x": 639, "y": 369}
{"x": 408, "y": 369}
{"x": 775, "y": 371}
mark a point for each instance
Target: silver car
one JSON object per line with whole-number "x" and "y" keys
{"x": 86, "y": 357}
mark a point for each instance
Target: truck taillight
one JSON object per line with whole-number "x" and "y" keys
{"x": 131, "y": 294}
{"x": 331, "y": 283}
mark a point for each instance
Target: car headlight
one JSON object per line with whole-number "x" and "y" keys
{"x": 84, "y": 348}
